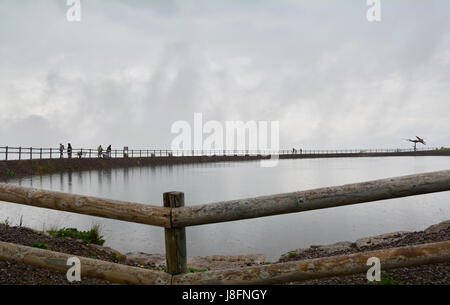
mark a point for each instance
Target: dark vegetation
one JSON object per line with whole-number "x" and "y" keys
{"x": 90, "y": 237}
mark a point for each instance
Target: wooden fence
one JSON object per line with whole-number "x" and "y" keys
{"x": 173, "y": 216}
{"x": 32, "y": 153}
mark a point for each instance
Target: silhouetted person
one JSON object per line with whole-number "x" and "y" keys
{"x": 69, "y": 151}
{"x": 61, "y": 151}
{"x": 100, "y": 150}
{"x": 108, "y": 151}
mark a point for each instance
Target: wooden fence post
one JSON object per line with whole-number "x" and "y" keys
{"x": 6, "y": 153}
{"x": 176, "y": 258}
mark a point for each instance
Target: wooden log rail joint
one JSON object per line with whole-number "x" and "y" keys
{"x": 175, "y": 238}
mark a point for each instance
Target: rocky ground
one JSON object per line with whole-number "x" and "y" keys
{"x": 14, "y": 273}
{"x": 21, "y": 274}
{"x": 438, "y": 274}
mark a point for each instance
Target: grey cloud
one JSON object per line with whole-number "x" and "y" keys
{"x": 31, "y": 131}
{"x": 130, "y": 69}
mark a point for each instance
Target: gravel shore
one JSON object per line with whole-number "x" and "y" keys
{"x": 20, "y": 274}
{"x": 435, "y": 274}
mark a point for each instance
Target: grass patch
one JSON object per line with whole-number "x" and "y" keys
{"x": 116, "y": 256}
{"x": 267, "y": 263}
{"x": 193, "y": 270}
{"x": 40, "y": 245}
{"x": 91, "y": 237}
{"x": 11, "y": 173}
{"x": 6, "y": 222}
{"x": 292, "y": 254}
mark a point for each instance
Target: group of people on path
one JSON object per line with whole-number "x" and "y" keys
{"x": 69, "y": 151}
{"x": 100, "y": 151}
{"x": 80, "y": 153}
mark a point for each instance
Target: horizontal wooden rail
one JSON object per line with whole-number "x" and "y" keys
{"x": 230, "y": 210}
{"x": 94, "y": 268}
{"x": 108, "y": 208}
{"x": 312, "y": 199}
{"x": 431, "y": 253}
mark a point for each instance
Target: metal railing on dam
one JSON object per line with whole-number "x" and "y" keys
{"x": 174, "y": 216}
{"x": 33, "y": 153}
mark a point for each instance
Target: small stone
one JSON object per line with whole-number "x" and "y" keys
{"x": 140, "y": 258}
{"x": 438, "y": 227}
{"x": 220, "y": 262}
{"x": 380, "y": 239}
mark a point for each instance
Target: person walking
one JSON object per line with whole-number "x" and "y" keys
{"x": 69, "y": 151}
{"x": 99, "y": 150}
{"x": 108, "y": 151}
{"x": 61, "y": 150}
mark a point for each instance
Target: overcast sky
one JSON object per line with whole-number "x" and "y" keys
{"x": 130, "y": 69}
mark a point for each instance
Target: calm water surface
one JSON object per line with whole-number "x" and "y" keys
{"x": 205, "y": 183}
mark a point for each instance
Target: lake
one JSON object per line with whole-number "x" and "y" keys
{"x": 211, "y": 182}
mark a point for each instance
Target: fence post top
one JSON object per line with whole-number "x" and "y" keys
{"x": 174, "y": 193}
{"x": 173, "y": 199}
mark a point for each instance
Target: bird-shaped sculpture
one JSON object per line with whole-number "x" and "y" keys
{"x": 415, "y": 141}
{"x": 418, "y": 140}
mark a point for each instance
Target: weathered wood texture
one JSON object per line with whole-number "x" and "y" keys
{"x": 312, "y": 199}
{"x": 321, "y": 267}
{"x": 176, "y": 257}
{"x": 127, "y": 211}
{"x": 115, "y": 273}
{"x": 431, "y": 253}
